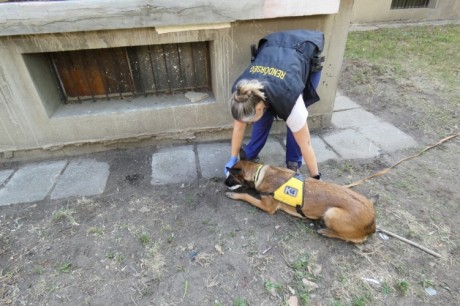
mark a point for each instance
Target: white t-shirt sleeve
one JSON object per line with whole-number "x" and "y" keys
{"x": 298, "y": 116}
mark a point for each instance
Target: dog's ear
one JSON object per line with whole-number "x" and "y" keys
{"x": 234, "y": 171}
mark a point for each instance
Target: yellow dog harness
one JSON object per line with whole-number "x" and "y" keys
{"x": 290, "y": 193}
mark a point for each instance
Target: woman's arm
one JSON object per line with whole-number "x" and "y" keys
{"x": 302, "y": 138}
{"x": 237, "y": 136}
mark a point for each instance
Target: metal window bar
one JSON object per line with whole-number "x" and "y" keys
{"x": 408, "y": 4}
{"x": 132, "y": 71}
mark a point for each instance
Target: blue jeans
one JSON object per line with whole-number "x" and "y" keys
{"x": 261, "y": 130}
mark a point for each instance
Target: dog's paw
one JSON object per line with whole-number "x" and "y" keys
{"x": 231, "y": 195}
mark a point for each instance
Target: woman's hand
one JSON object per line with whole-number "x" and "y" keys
{"x": 233, "y": 160}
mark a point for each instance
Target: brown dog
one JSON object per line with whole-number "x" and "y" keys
{"x": 347, "y": 214}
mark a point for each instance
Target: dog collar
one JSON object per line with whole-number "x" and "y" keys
{"x": 256, "y": 175}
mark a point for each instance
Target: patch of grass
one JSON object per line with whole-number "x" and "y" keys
{"x": 211, "y": 226}
{"x": 272, "y": 286}
{"x": 147, "y": 291}
{"x": 185, "y": 289}
{"x": 350, "y": 286}
{"x": 240, "y": 302}
{"x": 346, "y": 167}
{"x": 304, "y": 297}
{"x": 38, "y": 270}
{"x": 306, "y": 273}
{"x": 403, "y": 287}
{"x": 300, "y": 265}
{"x": 154, "y": 261}
{"x": 144, "y": 238}
{"x": 433, "y": 48}
{"x": 8, "y": 281}
{"x": 114, "y": 256}
{"x": 361, "y": 300}
{"x": 65, "y": 267}
{"x": 386, "y": 289}
{"x": 427, "y": 283}
{"x": 64, "y": 213}
{"x": 190, "y": 199}
{"x": 400, "y": 269}
{"x": 95, "y": 231}
{"x": 304, "y": 228}
{"x": 419, "y": 64}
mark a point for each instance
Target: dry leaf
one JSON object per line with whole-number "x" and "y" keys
{"x": 293, "y": 301}
{"x": 219, "y": 249}
{"x": 310, "y": 284}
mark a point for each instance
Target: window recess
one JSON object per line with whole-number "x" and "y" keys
{"x": 117, "y": 73}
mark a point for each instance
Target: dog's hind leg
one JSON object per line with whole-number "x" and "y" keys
{"x": 340, "y": 225}
{"x": 331, "y": 217}
{"x": 333, "y": 234}
{"x": 329, "y": 233}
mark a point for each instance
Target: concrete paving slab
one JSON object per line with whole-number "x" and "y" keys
{"x": 350, "y": 144}
{"x": 173, "y": 165}
{"x": 4, "y": 175}
{"x": 323, "y": 152}
{"x": 344, "y": 103}
{"x": 387, "y": 136}
{"x": 213, "y": 157}
{"x": 273, "y": 153}
{"x": 353, "y": 118}
{"x": 31, "y": 183}
{"x": 81, "y": 178}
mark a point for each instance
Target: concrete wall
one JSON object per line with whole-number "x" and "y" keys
{"x": 365, "y": 11}
{"x": 33, "y": 118}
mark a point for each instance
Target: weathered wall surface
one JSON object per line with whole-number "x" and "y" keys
{"x": 90, "y": 15}
{"x": 32, "y": 117}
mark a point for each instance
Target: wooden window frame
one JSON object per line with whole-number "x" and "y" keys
{"x": 410, "y": 4}
{"x": 117, "y": 73}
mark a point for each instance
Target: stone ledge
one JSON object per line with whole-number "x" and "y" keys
{"x": 23, "y": 18}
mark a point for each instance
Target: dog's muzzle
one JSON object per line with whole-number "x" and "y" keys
{"x": 231, "y": 183}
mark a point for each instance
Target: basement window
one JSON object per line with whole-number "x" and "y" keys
{"x": 117, "y": 73}
{"x": 409, "y": 4}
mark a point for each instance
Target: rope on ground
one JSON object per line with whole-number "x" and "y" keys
{"x": 402, "y": 160}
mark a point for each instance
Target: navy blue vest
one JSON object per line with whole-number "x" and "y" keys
{"x": 283, "y": 65}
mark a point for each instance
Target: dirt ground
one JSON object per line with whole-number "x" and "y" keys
{"x": 190, "y": 245}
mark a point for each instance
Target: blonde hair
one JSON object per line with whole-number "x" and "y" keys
{"x": 247, "y": 95}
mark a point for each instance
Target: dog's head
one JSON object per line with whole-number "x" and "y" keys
{"x": 242, "y": 173}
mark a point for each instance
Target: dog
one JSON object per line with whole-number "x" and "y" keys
{"x": 347, "y": 214}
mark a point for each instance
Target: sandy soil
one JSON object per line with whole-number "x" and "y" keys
{"x": 190, "y": 245}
